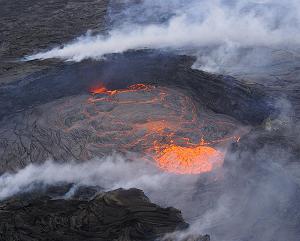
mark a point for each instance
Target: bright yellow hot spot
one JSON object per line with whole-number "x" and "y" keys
{"x": 189, "y": 160}
{"x": 171, "y": 152}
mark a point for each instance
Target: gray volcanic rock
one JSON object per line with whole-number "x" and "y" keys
{"x": 32, "y": 25}
{"x": 117, "y": 215}
{"x": 225, "y": 95}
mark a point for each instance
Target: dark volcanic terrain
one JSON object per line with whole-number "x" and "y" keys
{"x": 29, "y": 26}
{"x": 224, "y": 150}
{"x": 116, "y": 215}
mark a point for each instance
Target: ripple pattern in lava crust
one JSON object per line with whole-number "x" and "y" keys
{"x": 161, "y": 123}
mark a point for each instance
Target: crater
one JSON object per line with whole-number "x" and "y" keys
{"x": 159, "y": 122}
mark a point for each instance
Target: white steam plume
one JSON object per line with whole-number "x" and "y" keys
{"x": 109, "y": 173}
{"x": 211, "y": 203}
{"x": 193, "y": 25}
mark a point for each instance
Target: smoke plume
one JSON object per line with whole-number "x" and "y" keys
{"x": 108, "y": 173}
{"x": 257, "y": 196}
{"x": 215, "y": 30}
{"x": 253, "y": 197}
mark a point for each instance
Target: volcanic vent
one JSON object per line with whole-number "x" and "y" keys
{"x": 160, "y": 123}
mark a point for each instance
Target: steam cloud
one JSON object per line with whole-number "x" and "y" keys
{"x": 109, "y": 173}
{"x": 260, "y": 201}
{"x": 262, "y": 205}
{"x": 190, "y": 26}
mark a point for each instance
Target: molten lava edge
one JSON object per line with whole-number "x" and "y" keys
{"x": 189, "y": 160}
{"x": 101, "y": 89}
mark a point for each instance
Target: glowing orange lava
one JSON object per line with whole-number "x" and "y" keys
{"x": 98, "y": 90}
{"x": 172, "y": 152}
{"x": 189, "y": 160}
{"x": 138, "y": 87}
{"x": 101, "y": 89}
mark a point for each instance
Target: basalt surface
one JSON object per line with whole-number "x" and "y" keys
{"x": 153, "y": 121}
{"x": 116, "y": 215}
{"x": 29, "y": 26}
{"x": 54, "y": 110}
{"x": 225, "y": 95}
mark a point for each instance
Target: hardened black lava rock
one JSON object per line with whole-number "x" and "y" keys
{"x": 29, "y": 26}
{"x": 115, "y": 215}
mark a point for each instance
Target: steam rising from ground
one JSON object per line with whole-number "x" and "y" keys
{"x": 261, "y": 200}
{"x": 257, "y": 190}
{"x": 109, "y": 173}
{"x": 223, "y": 25}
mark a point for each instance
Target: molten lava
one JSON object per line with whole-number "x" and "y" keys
{"x": 98, "y": 90}
{"x": 167, "y": 122}
{"x": 189, "y": 160}
{"x": 101, "y": 89}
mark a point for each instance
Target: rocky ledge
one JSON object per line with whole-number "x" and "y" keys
{"x": 116, "y": 215}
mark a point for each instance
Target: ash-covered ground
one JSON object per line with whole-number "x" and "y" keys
{"x": 149, "y": 98}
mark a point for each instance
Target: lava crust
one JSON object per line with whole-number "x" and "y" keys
{"x": 148, "y": 120}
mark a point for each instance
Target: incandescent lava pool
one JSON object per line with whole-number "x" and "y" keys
{"x": 158, "y": 123}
